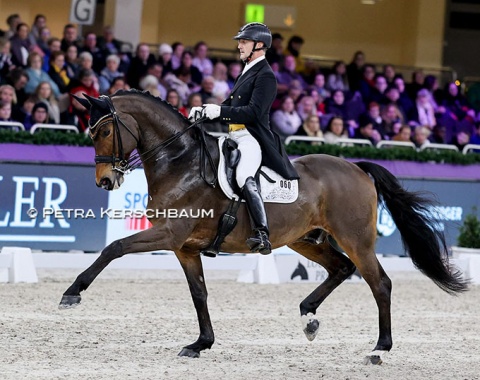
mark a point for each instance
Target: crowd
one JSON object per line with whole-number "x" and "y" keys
{"x": 355, "y": 100}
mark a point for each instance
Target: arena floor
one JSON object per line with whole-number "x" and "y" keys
{"x": 132, "y": 324}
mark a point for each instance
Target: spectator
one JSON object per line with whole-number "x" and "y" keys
{"x": 306, "y": 107}
{"x": 377, "y": 93}
{"x": 220, "y": 88}
{"x": 456, "y": 106}
{"x": 37, "y": 75}
{"x": 475, "y": 139}
{"x": 274, "y": 53}
{"x": 174, "y": 99}
{"x": 366, "y": 131}
{"x": 319, "y": 84}
{"x": 354, "y": 70}
{"x": 39, "y": 116}
{"x": 294, "y": 46}
{"x": 206, "y": 91}
{"x": 188, "y": 73}
{"x": 423, "y": 113}
{"x": 194, "y": 100}
{"x": 109, "y": 73}
{"x": 54, "y": 45}
{"x": 118, "y": 84}
{"x": 461, "y": 138}
{"x": 389, "y": 73}
{"x": 177, "y": 53}
{"x": 90, "y": 45}
{"x": 431, "y": 84}
{"x": 139, "y": 65}
{"x": 108, "y": 43}
{"x": 25, "y": 111}
{"x": 85, "y": 62}
{"x": 392, "y": 95}
{"x": 392, "y": 119}
{"x": 86, "y": 85}
{"x": 289, "y": 74}
{"x": 165, "y": 58}
{"x": 317, "y": 99}
{"x": 21, "y": 45}
{"x": 337, "y": 105}
{"x": 404, "y": 134}
{"x": 311, "y": 128}
{"x": 439, "y": 134}
{"x": 70, "y": 37}
{"x": 5, "y": 111}
{"x": 373, "y": 114}
{"x": 234, "y": 71}
{"x": 335, "y": 130}
{"x": 71, "y": 62}
{"x": 58, "y": 71}
{"x": 367, "y": 83}
{"x": 286, "y": 121}
{"x": 39, "y": 23}
{"x": 44, "y": 94}
{"x": 150, "y": 83}
{"x": 6, "y": 64}
{"x": 404, "y": 100}
{"x": 18, "y": 79}
{"x": 416, "y": 84}
{"x": 201, "y": 60}
{"x": 13, "y": 20}
{"x": 338, "y": 80}
{"x": 420, "y": 136}
{"x": 156, "y": 69}
{"x": 42, "y": 41}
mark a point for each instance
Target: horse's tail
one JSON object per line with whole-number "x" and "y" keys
{"x": 424, "y": 244}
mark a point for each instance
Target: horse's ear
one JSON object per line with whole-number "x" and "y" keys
{"x": 84, "y": 102}
{"x": 99, "y": 103}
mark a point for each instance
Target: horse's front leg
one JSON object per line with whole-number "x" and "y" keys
{"x": 144, "y": 241}
{"x": 192, "y": 266}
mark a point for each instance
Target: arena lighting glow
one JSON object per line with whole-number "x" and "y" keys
{"x": 254, "y": 13}
{"x": 457, "y": 82}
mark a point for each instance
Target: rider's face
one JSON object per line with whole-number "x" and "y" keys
{"x": 245, "y": 47}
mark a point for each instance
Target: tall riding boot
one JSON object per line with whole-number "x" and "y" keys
{"x": 256, "y": 209}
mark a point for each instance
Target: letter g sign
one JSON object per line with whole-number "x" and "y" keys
{"x": 83, "y": 11}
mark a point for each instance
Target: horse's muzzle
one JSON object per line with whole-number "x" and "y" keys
{"x": 105, "y": 183}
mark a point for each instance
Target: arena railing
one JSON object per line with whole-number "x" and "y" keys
{"x": 439, "y": 147}
{"x": 14, "y": 125}
{"x": 471, "y": 147}
{"x": 340, "y": 141}
{"x": 395, "y": 144}
{"x": 304, "y": 138}
{"x": 58, "y": 127}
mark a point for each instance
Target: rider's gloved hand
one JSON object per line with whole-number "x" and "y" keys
{"x": 195, "y": 113}
{"x": 211, "y": 111}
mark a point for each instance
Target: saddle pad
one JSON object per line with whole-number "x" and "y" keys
{"x": 281, "y": 191}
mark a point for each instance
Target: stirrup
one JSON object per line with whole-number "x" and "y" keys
{"x": 259, "y": 243}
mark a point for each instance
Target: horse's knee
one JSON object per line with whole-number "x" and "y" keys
{"x": 113, "y": 250}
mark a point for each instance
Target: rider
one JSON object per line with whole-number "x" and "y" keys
{"x": 247, "y": 110}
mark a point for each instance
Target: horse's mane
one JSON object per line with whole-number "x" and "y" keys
{"x": 147, "y": 95}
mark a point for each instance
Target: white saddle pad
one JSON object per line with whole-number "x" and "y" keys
{"x": 281, "y": 191}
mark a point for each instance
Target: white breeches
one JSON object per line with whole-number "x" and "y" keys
{"x": 250, "y": 155}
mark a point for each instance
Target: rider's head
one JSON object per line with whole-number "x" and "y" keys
{"x": 252, "y": 38}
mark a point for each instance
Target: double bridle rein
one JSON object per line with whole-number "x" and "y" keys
{"x": 126, "y": 165}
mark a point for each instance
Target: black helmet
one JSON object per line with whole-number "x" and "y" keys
{"x": 257, "y": 32}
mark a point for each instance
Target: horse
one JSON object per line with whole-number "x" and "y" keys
{"x": 337, "y": 199}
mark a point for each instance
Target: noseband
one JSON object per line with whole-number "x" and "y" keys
{"x": 126, "y": 165}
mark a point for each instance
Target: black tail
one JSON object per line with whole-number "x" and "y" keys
{"x": 424, "y": 244}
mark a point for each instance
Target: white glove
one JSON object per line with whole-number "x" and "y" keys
{"x": 211, "y": 111}
{"x": 195, "y": 113}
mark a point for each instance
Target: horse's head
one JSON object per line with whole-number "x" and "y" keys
{"x": 113, "y": 140}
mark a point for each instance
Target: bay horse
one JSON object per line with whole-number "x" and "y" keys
{"x": 336, "y": 197}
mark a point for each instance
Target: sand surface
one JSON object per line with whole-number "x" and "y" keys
{"x": 132, "y": 324}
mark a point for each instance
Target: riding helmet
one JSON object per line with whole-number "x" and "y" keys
{"x": 255, "y": 31}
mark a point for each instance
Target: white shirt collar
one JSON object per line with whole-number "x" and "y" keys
{"x": 249, "y": 65}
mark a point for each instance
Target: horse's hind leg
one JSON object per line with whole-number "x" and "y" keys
{"x": 192, "y": 266}
{"x": 339, "y": 268}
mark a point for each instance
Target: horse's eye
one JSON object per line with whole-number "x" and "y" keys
{"x": 106, "y": 133}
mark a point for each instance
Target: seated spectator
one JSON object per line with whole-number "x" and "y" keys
{"x": 311, "y": 128}
{"x": 165, "y": 58}
{"x": 58, "y": 71}
{"x": 53, "y": 46}
{"x": 367, "y": 82}
{"x": 12, "y": 20}
{"x": 206, "y": 90}
{"x": 150, "y": 83}
{"x": 39, "y": 22}
{"x": 85, "y": 62}
{"x": 294, "y": 46}
{"x": 373, "y": 115}
{"x": 17, "y": 80}
{"x": 175, "y": 100}
{"x": 44, "y": 94}
{"x": 25, "y": 111}
{"x": 439, "y": 134}
{"x": 404, "y": 134}
{"x": 39, "y": 116}
{"x": 108, "y": 43}
{"x": 37, "y": 75}
{"x": 156, "y": 70}
{"x": 389, "y": 73}
{"x": 392, "y": 96}
{"x": 377, "y": 93}
{"x": 109, "y": 73}
{"x": 288, "y": 74}
{"x": 337, "y": 79}
{"x": 337, "y": 105}
{"x": 420, "y": 136}
{"x": 194, "y": 100}
{"x": 456, "y": 106}
{"x": 71, "y": 62}
{"x": 404, "y": 100}
{"x": 461, "y": 138}
{"x": 7, "y": 94}
{"x": 6, "y": 64}
{"x": 274, "y": 53}
{"x": 98, "y": 55}
{"x": 80, "y": 114}
{"x": 220, "y": 88}
{"x": 392, "y": 120}
{"x": 475, "y": 139}
{"x": 139, "y": 65}
{"x": 354, "y": 70}
{"x": 21, "y": 46}
{"x": 423, "y": 113}
{"x": 319, "y": 85}
{"x": 335, "y": 130}
{"x": 70, "y": 37}
{"x": 431, "y": 84}
{"x": 201, "y": 60}
{"x": 286, "y": 121}
{"x": 5, "y": 111}
{"x": 118, "y": 84}
{"x": 234, "y": 71}
{"x": 416, "y": 84}
{"x": 188, "y": 73}
{"x": 306, "y": 107}
{"x": 365, "y": 131}
{"x": 177, "y": 53}
{"x": 317, "y": 99}
{"x": 42, "y": 40}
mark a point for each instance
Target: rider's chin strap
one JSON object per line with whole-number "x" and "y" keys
{"x": 249, "y": 58}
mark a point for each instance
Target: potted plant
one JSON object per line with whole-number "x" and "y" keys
{"x": 468, "y": 239}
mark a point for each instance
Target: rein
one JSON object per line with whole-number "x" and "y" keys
{"x": 125, "y": 166}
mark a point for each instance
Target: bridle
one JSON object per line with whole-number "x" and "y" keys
{"x": 126, "y": 165}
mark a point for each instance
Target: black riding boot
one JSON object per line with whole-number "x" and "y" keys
{"x": 256, "y": 209}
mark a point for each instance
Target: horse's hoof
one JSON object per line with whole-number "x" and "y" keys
{"x": 375, "y": 357}
{"x": 311, "y": 325}
{"x": 69, "y": 302}
{"x": 189, "y": 353}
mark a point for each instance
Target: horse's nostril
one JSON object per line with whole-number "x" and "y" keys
{"x": 106, "y": 183}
